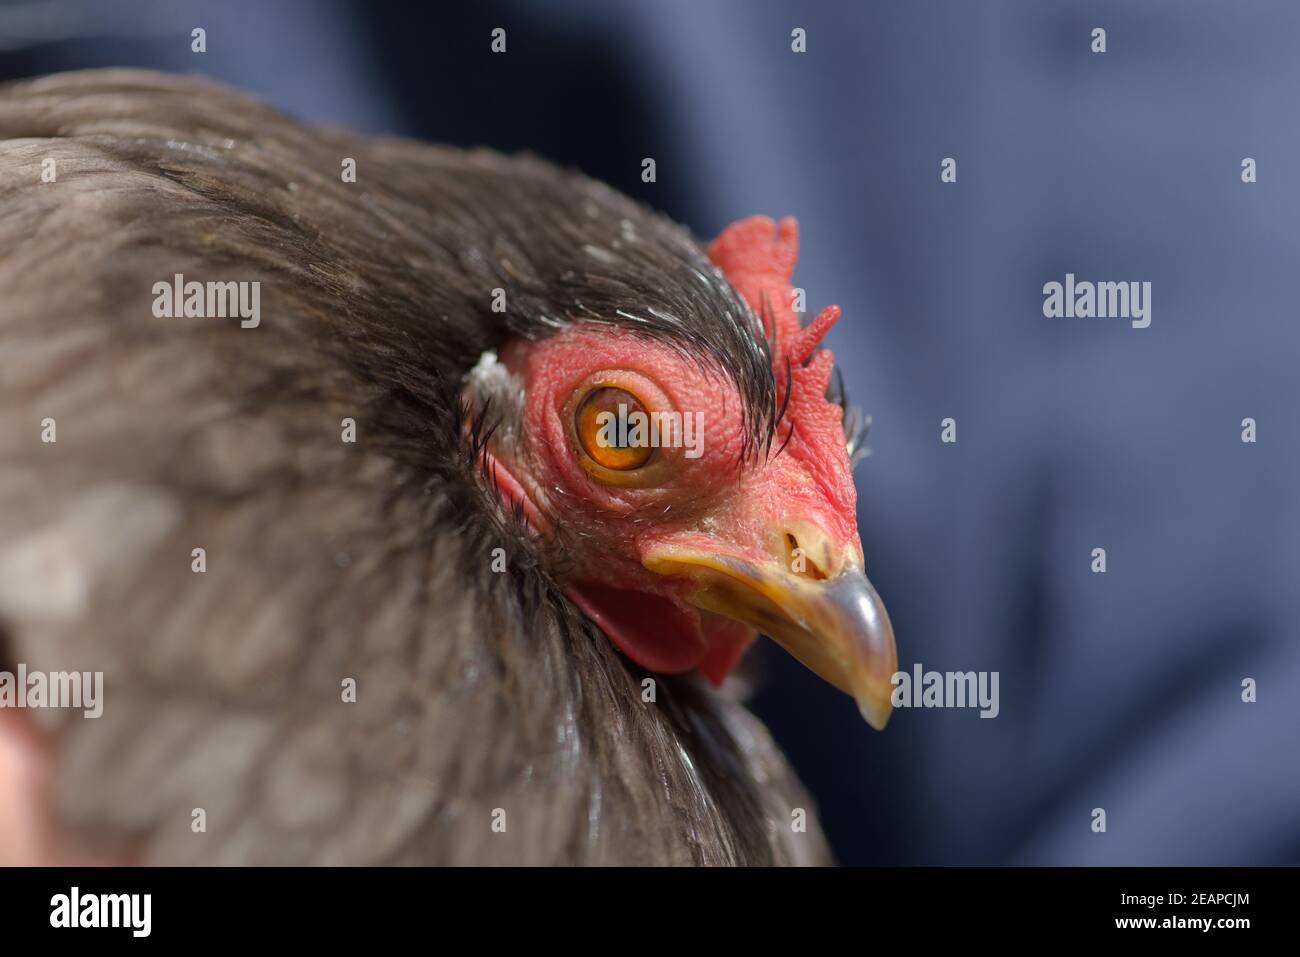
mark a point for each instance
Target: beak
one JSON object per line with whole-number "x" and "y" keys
{"x": 827, "y": 615}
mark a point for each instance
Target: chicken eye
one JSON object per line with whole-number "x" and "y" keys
{"x": 613, "y": 429}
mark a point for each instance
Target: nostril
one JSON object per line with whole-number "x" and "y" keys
{"x": 801, "y": 563}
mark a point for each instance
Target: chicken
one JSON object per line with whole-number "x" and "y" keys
{"x": 366, "y": 576}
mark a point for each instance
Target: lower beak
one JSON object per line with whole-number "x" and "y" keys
{"x": 835, "y": 625}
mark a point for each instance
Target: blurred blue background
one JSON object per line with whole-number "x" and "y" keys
{"x": 1120, "y": 691}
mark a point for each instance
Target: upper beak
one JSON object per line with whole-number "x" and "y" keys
{"x": 831, "y": 618}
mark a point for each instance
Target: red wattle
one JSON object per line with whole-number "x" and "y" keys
{"x": 649, "y": 629}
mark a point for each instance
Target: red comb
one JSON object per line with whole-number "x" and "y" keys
{"x": 757, "y": 256}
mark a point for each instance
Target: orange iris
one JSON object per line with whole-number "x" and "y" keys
{"x": 606, "y": 420}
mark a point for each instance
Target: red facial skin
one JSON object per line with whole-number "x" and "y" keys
{"x": 607, "y": 522}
